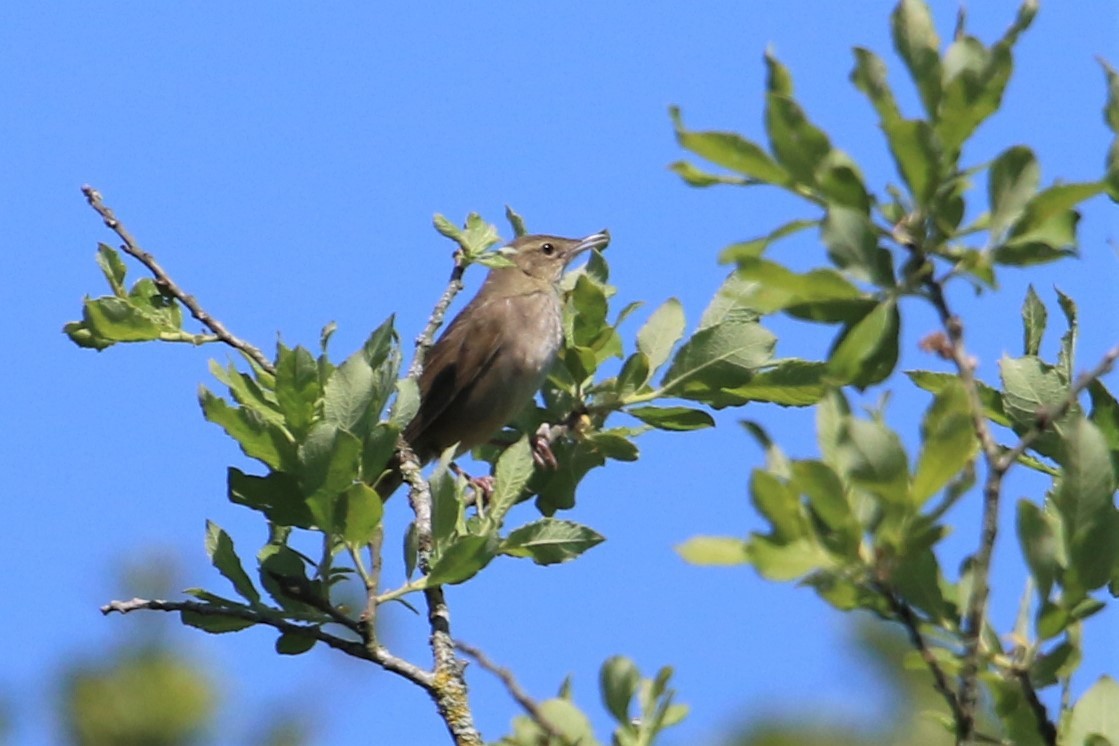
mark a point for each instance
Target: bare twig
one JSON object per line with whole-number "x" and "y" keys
{"x": 975, "y": 611}
{"x": 427, "y": 336}
{"x": 377, "y": 655}
{"x": 912, "y": 624}
{"x": 527, "y": 703}
{"x": 167, "y": 285}
{"x": 1047, "y": 729}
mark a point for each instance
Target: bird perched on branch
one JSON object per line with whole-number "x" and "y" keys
{"x": 494, "y": 356}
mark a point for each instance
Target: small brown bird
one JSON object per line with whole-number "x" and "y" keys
{"x": 495, "y": 354}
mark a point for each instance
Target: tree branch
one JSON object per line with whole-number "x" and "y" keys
{"x": 376, "y": 654}
{"x": 527, "y": 703}
{"x": 975, "y": 612}
{"x": 912, "y": 624}
{"x": 169, "y": 286}
{"x": 449, "y": 690}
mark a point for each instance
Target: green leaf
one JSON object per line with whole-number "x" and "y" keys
{"x": 866, "y": 352}
{"x": 564, "y": 715}
{"x": 912, "y": 142}
{"x": 213, "y": 624}
{"x": 329, "y": 464}
{"x": 1084, "y": 498}
{"x": 1038, "y": 538}
{"x": 248, "y": 392}
{"x": 635, "y": 373}
{"x": 118, "y": 320}
{"x": 297, "y": 388}
{"x": 949, "y": 439}
{"x": 1095, "y": 714}
{"x": 589, "y": 301}
{"x": 841, "y": 182}
{"x": 377, "y": 451}
{"x": 407, "y": 403}
{"x": 1014, "y": 178}
{"x": 729, "y": 150}
{"x": 360, "y": 511}
{"x": 1031, "y": 386}
{"x": 871, "y": 455}
{"x": 549, "y": 541}
{"x": 745, "y": 250}
{"x": 257, "y": 437}
{"x": 974, "y": 79}
{"x": 618, "y": 680}
{"x": 832, "y": 414}
{"x": 1105, "y": 414}
{"x": 510, "y": 477}
{"x": 516, "y": 222}
{"x": 789, "y": 383}
{"x": 917, "y": 576}
{"x": 219, "y": 547}
{"x": 277, "y": 495}
{"x": 829, "y": 500}
{"x": 935, "y": 383}
{"x": 290, "y": 643}
{"x": 474, "y": 240}
{"x": 113, "y": 267}
{"x": 1034, "y": 320}
{"x": 717, "y": 358}
{"x": 661, "y": 333}
{"x": 280, "y": 568}
{"x": 917, "y": 43}
{"x": 799, "y": 145}
{"x": 354, "y": 393}
{"x": 852, "y": 244}
{"x": 697, "y": 177}
{"x": 714, "y": 550}
{"x": 787, "y": 561}
{"x": 673, "y": 418}
{"x": 614, "y": 444}
{"x": 818, "y": 295}
{"x": 1068, "y": 340}
{"x": 463, "y": 559}
{"x": 779, "y": 504}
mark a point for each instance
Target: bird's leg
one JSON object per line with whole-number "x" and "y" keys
{"x": 542, "y": 447}
{"x": 483, "y": 486}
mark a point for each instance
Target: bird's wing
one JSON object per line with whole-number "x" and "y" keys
{"x": 464, "y": 352}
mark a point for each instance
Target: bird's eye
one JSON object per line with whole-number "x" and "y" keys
{"x": 548, "y": 249}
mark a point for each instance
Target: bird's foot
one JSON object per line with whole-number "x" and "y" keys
{"x": 542, "y": 448}
{"x": 483, "y": 486}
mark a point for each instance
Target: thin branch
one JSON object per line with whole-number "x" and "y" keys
{"x": 1046, "y": 728}
{"x": 904, "y": 614}
{"x": 527, "y": 703}
{"x": 167, "y": 285}
{"x": 975, "y": 611}
{"x": 298, "y": 589}
{"x": 427, "y": 336}
{"x": 378, "y": 655}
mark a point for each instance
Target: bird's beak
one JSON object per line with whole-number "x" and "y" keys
{"x": 595, "y": 241}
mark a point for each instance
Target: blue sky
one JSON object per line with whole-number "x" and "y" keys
{"x": 284, "y": 163}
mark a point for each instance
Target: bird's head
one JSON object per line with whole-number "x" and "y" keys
{"x": 545, "y": 257}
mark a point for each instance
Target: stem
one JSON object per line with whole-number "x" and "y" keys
{"x": 169, "y": 286}
{"x": 378, "y": 655}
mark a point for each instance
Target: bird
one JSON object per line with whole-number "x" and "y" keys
{"x": 493, "y": 357}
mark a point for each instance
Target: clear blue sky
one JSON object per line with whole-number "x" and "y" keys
{"x": 284, "y": 162}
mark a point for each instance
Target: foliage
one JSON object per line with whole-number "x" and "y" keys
{"x": 860, "y": 524}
